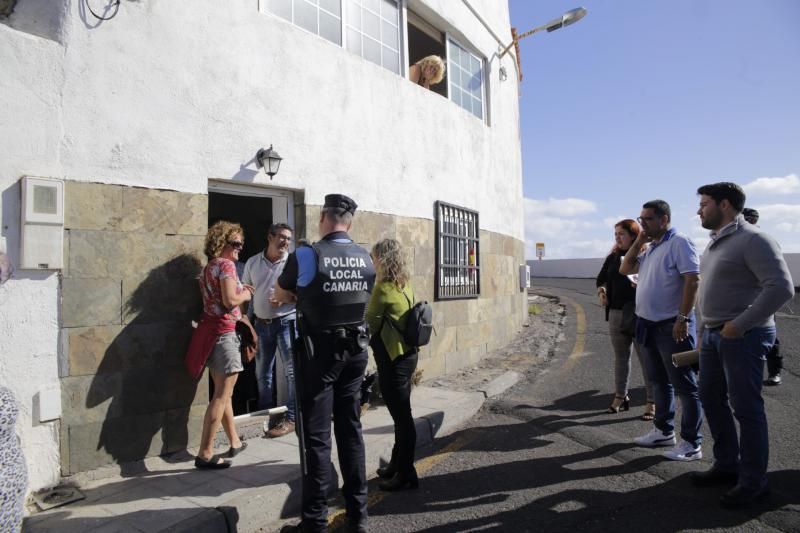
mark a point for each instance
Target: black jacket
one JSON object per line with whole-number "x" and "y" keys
{"x": 619, "y": 289}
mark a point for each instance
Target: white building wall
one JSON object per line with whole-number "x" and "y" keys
{"x": 31, "y": 74}
{"x": 169, "y": 99}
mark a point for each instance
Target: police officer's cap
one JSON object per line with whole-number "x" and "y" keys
{"x": 340, "y": 201}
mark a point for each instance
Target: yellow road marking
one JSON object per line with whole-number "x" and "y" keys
{"x": 580, "y": 333}
{"x": 336, "y": 519}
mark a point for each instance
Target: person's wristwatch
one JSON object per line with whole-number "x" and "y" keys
{"x": 682, "y": 318}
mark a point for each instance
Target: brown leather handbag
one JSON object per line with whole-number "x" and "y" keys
{"x": 248, "y": 339}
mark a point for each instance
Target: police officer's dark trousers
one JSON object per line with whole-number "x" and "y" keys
{"x": 332, "y": 384}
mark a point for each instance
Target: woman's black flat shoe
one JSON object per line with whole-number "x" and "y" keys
{"x": 400, "y": 483}
{"x": 215, "y": 463}
{"x": 233, "y": 452}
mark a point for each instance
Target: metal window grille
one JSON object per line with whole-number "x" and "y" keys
{"x": 457, "y": 252}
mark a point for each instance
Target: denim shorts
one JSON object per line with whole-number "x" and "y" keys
{"x": 226, "y": 358}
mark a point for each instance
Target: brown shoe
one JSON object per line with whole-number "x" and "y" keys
{"x": 280, "y": 430}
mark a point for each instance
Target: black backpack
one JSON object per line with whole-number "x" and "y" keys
{"x": 419, "y": 324}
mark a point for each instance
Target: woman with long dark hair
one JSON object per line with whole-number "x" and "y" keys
{"x": 617, "y": 294}
{"x": 387, "y": 313}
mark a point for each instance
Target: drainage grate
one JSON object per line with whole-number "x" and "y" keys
{"x": 57, "y": 497}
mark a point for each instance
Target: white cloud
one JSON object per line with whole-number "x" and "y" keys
{"x": 779, "y": 211}
{"x": 781, "y": 221}
{"x": 560, "y": 207}
{"x": 776, "y": 186}
{"x": 611, "y": 221}
{"x": 566, "y": 227}
{"x": 788, "y": 226}
{"x": 782, "y": 217}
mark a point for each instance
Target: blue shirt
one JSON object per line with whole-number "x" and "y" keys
{"x": 660, "y": 287}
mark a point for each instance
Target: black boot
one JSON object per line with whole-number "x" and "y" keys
{"x": 401, "y": 482}
{"x": 388, "y": 471}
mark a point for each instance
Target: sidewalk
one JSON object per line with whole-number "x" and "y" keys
{"x": 259, "y": 490}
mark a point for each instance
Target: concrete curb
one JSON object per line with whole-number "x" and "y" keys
{"x": 262, "y": 488}
{"x": 500, "y": 384}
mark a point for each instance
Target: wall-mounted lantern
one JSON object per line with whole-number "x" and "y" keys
{"x": 269, "y": 160}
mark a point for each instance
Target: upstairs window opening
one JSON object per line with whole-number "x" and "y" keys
{"x": 465, "y": 72}
{"x": 373, "y": 31}
{"x": 424, "y": 40}
{"x": 321, "y": 17}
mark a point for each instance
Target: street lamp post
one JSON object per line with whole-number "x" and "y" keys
{"x": 570, "y": 17}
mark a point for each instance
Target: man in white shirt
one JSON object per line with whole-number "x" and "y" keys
{"x": 272, "y": 322}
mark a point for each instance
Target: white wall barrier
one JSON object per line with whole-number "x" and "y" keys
{"x": 588, "y": 268}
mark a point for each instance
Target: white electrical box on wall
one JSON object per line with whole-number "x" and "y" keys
{"x": 42, "y": 233}
{"x": 524, "y": 277}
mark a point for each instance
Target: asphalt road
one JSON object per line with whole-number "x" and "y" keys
{"x": 545, "y": 456}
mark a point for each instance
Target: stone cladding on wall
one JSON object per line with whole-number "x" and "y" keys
{"x": 466, "y": 330}
{"x": 128, "y": 296}
{"x": 129, "y": 293}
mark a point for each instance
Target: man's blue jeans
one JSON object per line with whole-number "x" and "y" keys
{"x": 276, "y": 336}
{"x": 731, "y": 373}
{"x": 669, "y": 381}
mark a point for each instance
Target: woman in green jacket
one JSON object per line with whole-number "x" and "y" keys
{"x": 391, "y": 299}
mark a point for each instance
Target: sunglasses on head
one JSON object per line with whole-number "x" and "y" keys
{"x": 236, "y": 244}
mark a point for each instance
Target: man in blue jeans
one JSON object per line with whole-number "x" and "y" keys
{"x": 665, "y": 294}
{"x": 745, "y": 281}
{"x": 272, "y": 322}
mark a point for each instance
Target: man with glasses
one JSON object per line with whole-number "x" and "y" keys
{"x": 272, "y": 322}
{"x": 665, "y": 295}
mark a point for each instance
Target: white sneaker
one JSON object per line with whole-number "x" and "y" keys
{"x": 684, "y": 451}
{"x": 656, "y": 437}
{"x": 773, "y": 379}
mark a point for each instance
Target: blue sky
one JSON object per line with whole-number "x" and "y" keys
{"x": 643, "y": 100}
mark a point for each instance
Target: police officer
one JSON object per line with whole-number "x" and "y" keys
{"x": 331, "y": 281}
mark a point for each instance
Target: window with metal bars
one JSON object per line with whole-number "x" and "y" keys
{"x": 457, "y": 252}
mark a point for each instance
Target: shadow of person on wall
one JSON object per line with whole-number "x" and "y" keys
{"x": 142, "y": 371}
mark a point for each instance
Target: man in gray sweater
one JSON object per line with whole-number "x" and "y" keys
{"x": 744, "y": 280}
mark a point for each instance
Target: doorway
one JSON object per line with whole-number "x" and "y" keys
{"x": 255, "y": 209}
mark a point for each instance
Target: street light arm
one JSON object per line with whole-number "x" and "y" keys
{"x": 519, "y": 37}
{"x": 570, "y": 17}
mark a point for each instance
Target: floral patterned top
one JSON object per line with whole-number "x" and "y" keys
{"x": 215, "y": 271}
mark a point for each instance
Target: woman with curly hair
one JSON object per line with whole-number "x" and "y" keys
{"x": 387, "y": 314}
{"x": 214, "y": 342}
{"x": 427, "y": 71}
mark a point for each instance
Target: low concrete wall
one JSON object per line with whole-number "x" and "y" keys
{"x": 588, "y": 268}
{"x": 566, "y": 268}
